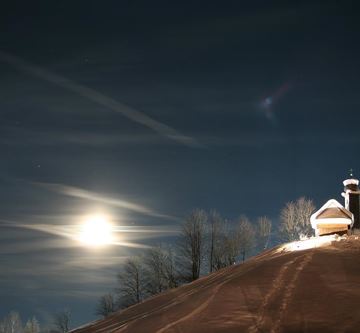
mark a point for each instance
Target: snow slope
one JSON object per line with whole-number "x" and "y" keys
{"x": 286, "y": 289}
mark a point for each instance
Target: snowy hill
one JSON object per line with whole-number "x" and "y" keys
{"x": 309, "y": 286}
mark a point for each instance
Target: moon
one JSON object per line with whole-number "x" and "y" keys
{"x": 96, "y": 231}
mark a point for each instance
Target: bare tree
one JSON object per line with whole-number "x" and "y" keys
{"x": 246, "y": 236}
{"x": 295, "y": 219}
{"x": 216, "y": 235}
{"x": 263, "y": 231}
{"x": 32, "y": 326}
{"x": 304, "y": 208}
{"x": 225, "y": 243}
{"x": 192, "y": 243}
{"x": 231, "y": 249}
{"x": 131, "y": 283}
{"x": 170, "y": 272}
{"x": 106, "y": 305}
{"x": 160, "y": 269}
{"x": 12, "y": 323}
{"x": 288, "y": 227}
{"x": 62, "y": 320}
{"x": 155, "y": 265}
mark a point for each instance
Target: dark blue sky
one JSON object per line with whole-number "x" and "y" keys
{"x": 234, "y": 106}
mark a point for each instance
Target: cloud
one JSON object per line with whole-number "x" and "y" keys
{"x": 15, "y": 136}
{"x": 99, "y": 98}
{"x": 69, "y": 232}
{"x": 31, "y": 237}
{"x": 77, "y": 192}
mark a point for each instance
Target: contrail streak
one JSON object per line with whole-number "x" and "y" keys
{"x": 89, "y": 195}
{"x": 99, "y": 98}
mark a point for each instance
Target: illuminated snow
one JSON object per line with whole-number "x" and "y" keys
{"x": 311, "y": 243}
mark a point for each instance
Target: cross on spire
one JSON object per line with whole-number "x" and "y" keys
{"x": 351, "y": 172}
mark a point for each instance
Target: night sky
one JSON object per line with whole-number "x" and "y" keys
{"x": 144, "y": 110}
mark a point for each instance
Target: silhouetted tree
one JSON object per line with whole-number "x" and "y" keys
{"x": 62, "y": 320}
{"x": 131, "y": 288}
{"x": 246, "y": 236}
{"x": 230, "y": 249}
{"x": 263, "y": 232}
{"x": 216, "y": 237}
{"x": 32, "y": 326}
{"x": 170, "y": 271}
{"x": 155, "y": 262}
{"x": 106, "y": 305}
{"x": 12, "y": 323}
{"x": 192, "y": 243}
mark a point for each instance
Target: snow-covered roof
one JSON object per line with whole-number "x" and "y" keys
{"x": 351, "y": 181}
{"x": 332, "y": 212}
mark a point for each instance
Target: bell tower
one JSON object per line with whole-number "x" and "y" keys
{"x": 352, "y": 198}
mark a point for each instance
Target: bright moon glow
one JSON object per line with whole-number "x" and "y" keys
{"x": 96, "y": 231}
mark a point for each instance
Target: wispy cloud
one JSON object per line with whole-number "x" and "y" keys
{"x": 16, "y": 135}
{"x": 77, "y": 192}
{"x": 99, "y": 98}
{"x": 71, "y": 235}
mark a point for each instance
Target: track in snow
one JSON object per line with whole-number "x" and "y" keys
{"x": 277, "y": 288}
